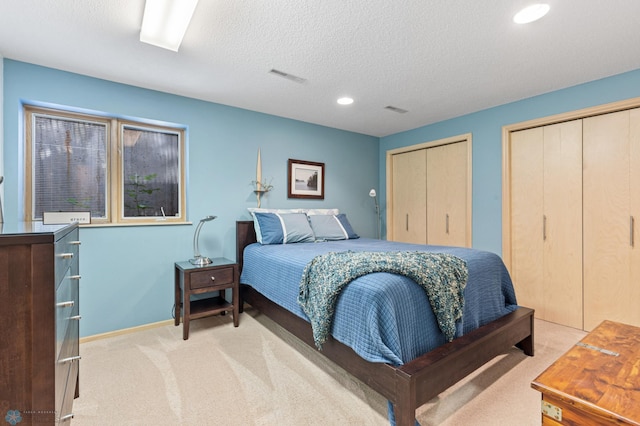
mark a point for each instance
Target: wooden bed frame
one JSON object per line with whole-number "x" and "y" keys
{"x": 415, "y": 383}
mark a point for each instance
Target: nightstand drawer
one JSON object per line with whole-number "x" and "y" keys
{"x": 211, "y": 278}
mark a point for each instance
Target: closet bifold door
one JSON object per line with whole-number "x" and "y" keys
{"x": 409, "y": 197}
{"x": 611, "y": 193}
{"x": 447, "y": 195}
{"x": 546, "y": 220}
{"x": 562, "y": 221}
{"x": 526, "y": 217}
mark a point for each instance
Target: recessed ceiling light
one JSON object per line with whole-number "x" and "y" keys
{"x": 345, "y": 101}
{"x": 531, "y": 13}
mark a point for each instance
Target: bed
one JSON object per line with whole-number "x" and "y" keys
{"x": 408, "y": 375}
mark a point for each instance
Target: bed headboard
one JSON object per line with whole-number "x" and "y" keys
{"x": 245, "y": 235}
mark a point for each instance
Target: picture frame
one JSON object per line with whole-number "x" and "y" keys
{"x": 306, "y": 179}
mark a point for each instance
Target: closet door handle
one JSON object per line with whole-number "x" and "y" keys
{"x": 631, "y": 226}
{"x": 407, "y": 222}
{"x": 544, "y": 227}
{"x": 447, "y": 224}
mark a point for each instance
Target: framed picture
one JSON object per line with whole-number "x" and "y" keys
{"x": 306, "y": 179}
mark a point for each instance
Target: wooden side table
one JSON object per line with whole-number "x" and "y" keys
{"x": 597, "y": 382}
{"x": 217, "y": 276}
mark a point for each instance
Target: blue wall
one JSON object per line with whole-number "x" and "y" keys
{"x": 127, "y": 272}
{"x": 486, "y": 128}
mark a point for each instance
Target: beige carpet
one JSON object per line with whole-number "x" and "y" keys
{"x": 258, "y": 374}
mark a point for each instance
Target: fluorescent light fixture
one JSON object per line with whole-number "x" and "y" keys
{"x": 345, "y": 101}
{"x": 531, "y": 13}
{"x": 165, "y": 22}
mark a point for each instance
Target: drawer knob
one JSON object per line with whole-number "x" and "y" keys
{"x": 70, "y": 359}
{"x": 213, "y": 278}
{"x": 67, "y": 417}
{"x": 66, "y": 304}
{"x": 66, "y": 255}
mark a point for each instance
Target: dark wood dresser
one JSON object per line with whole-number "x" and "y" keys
{"x": 39, "y": 351}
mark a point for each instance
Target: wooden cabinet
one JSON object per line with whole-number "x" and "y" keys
{"x": 39, "y": 355}
{"x": 546, "y": 220}
{"x": 429, "y": 193}
{"x": 571, "y": 200}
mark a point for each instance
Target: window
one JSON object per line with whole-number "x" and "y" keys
{"x": 121, "y": 171}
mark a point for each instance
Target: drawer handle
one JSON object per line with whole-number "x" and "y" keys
{"x": 66, "y": 255}
{"x": 75, "y": 277}
{"x": 70, "y": 359}
{"x": 213, "y": 278}
{"x": 76, "y": 317}
{"x": 66, "y": 304}
{"x": 67, "y": 417}
{"x": 75, "y": 243}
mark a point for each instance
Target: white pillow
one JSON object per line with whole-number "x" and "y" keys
{"x": 313, "y": 212}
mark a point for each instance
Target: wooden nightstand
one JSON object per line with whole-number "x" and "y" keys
{"x": 217, "y": 276}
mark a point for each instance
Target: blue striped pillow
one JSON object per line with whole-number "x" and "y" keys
{"x": 332, "y": 227}
{"x": 283, "y": 228}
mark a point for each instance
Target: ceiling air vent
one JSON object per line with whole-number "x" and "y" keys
{"x": 396, "y": 109}
{"x": 288, "y": 76}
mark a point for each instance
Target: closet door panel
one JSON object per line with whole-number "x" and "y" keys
{"x": 409, "y": 197}
{"x": 562, "y": 222}
{"x": 447, "y": 194}
{"x": 526, "y": 149}
{"x": 606, "y": 168}
{"x": 631, "y": 304}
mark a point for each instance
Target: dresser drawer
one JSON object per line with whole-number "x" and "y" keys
{"x": 66, "y": 309}
{"x": 212, "y": 278}
{"x": 66, "y": 410}
{"x": 66, "y": 254}
{"x": 66, "y": 368}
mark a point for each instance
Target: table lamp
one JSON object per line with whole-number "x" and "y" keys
{"x": 199, "y": 260}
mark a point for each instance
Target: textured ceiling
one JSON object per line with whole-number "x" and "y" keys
{"x": 437, "y": 59}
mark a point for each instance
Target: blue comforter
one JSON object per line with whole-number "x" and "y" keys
{"x": 382, "y": 316}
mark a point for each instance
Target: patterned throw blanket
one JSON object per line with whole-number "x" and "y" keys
{"x": 442, "y": 276}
